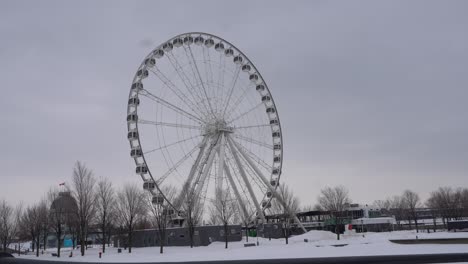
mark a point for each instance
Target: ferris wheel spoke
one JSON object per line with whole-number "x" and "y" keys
{"x": 254, "y": 141}
{"x": 173, "y": 88}
{"x": 257, "y": 159}
{"x": 239, "y": 99}
{"x": 245, "y": 113}
{"x": 156, "y": 123}
{"x": 209, "y": 71}
{"x": 185, "y": 79}
{"x": 238, "y": 68}
{"x": 177, "y": 164}
{"x": 201, "y": 80}
{"x": 221, "y": 74}
{"x": 264, "y": 179}
{"x": 252, "y": 126}
{"x": 171, "y": 144}
{"x": 179, "y": 110}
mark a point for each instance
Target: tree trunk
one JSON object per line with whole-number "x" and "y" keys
{"x": 38, "y": 242}
{"x": 130, "y": 240}
{"x": 33, "y": 243}
{"x": 59, "y": 242}
{"x": 44, "y": 239}
{"x": 416, "y": 223}
{"x": 246, "y": 233}
{"x": 82, "y": 240}
{"x": 226, "y": 235}
{"x": 337, "y": 230}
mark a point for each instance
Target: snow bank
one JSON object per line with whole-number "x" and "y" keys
{"x": 321, "y": 244}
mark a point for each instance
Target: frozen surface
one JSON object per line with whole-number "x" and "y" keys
{"x": 320, "y": 244}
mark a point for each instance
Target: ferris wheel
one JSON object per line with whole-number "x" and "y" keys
{"x": 201, "y": 118}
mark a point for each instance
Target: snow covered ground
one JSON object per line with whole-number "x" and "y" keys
{"x": 320, "y": 244}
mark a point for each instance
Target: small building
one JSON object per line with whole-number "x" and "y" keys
{"x": 179, "y": 236}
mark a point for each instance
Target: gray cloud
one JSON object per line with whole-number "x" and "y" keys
{"x": 371, "y": 94}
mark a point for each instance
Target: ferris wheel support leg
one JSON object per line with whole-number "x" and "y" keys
{"x": 188, "y": 182}
{"x": 219, "y": 175}
{"x": 206, "y": 169}
{"x": 236, "y": 192}
{"x": 265, "y": 181}
{"x": 246, "y": 180}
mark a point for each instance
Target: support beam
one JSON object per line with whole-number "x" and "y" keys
{"x": 236, "y": 192}
{"x": 206, "y": 169}
{"x": 219, "y": 175}
{"x": 246, "y": 180}
{"x": 188, "y": 182}
{"x": 265, "y": 181}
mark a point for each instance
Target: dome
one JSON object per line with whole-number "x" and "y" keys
{"x": 64, "y": 203}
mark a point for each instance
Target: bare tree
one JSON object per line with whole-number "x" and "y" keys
{"x": 398, "y": 208}
{"x": 286, "y": 210}
{"x": 130, "y": 207}
{"x": 224, "y": 209}
{"x": 335, "y": 199}
{"x": 412, "y": 202}
{"x": 57, "y": 215}
{"x": 105, "y": 200}
{"x": 160, "y": 213}
{"x": 83, "y": 183}
{"x": 8, "y": 223}
{"x": 193, "y": 213}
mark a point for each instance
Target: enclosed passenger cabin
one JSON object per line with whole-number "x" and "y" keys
{"x": 274, "y": 122}
{"x": 134, "y": 101}
{"x": 277, "y": 146}
{"x": 132, "y": 118}
{"x": 254, "y": 78}
{"x": 199, "y": 40}
{"x": 149, "y": 185}
{"x": 188, "y": 40}
{"x": 158, "y": 53}
{"x": 266, "y": 204}
{"x": 246, "y": 68}
{"x": 274, "y": 182}
{"x": 270, "y": 110}
{"x": 142, "y": 73}
{"x": 276, "y": 134}
{"x": 266, "y": 98}
{"x": 136, "y": 152}
{"x": 238, "y": 59}
{"x": 141, "y": 169}
{"x": 168, "y": 211}
{"x": 277, "y": 159}
{"x": 260, "y": 88}
{"x": 275, "y": 171}
{"x": 269, "y": 194}
{"x": 132, "y": 135}
{"x": 219, "y": 46}
{"x": 209, "y": 43}
{"x": 137, "y": 86}
{"x": 150, "y": 62}
{"x": 158, "y": 199}
{"x": 229, "y": 52}
{"x": 168, "y": 46}
{"x": 177, "y": 42}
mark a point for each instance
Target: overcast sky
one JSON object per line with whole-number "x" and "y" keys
{"x": 372, "y": 94}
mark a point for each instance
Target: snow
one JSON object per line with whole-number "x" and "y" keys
{"x": 320, "y": 244}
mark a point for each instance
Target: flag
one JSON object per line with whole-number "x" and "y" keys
{"x": 62, "y": 184}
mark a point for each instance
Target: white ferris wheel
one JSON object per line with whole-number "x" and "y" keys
{"x": 201, "y": 118}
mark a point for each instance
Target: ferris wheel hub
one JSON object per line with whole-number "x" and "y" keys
{"x": 217, "y": 126}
